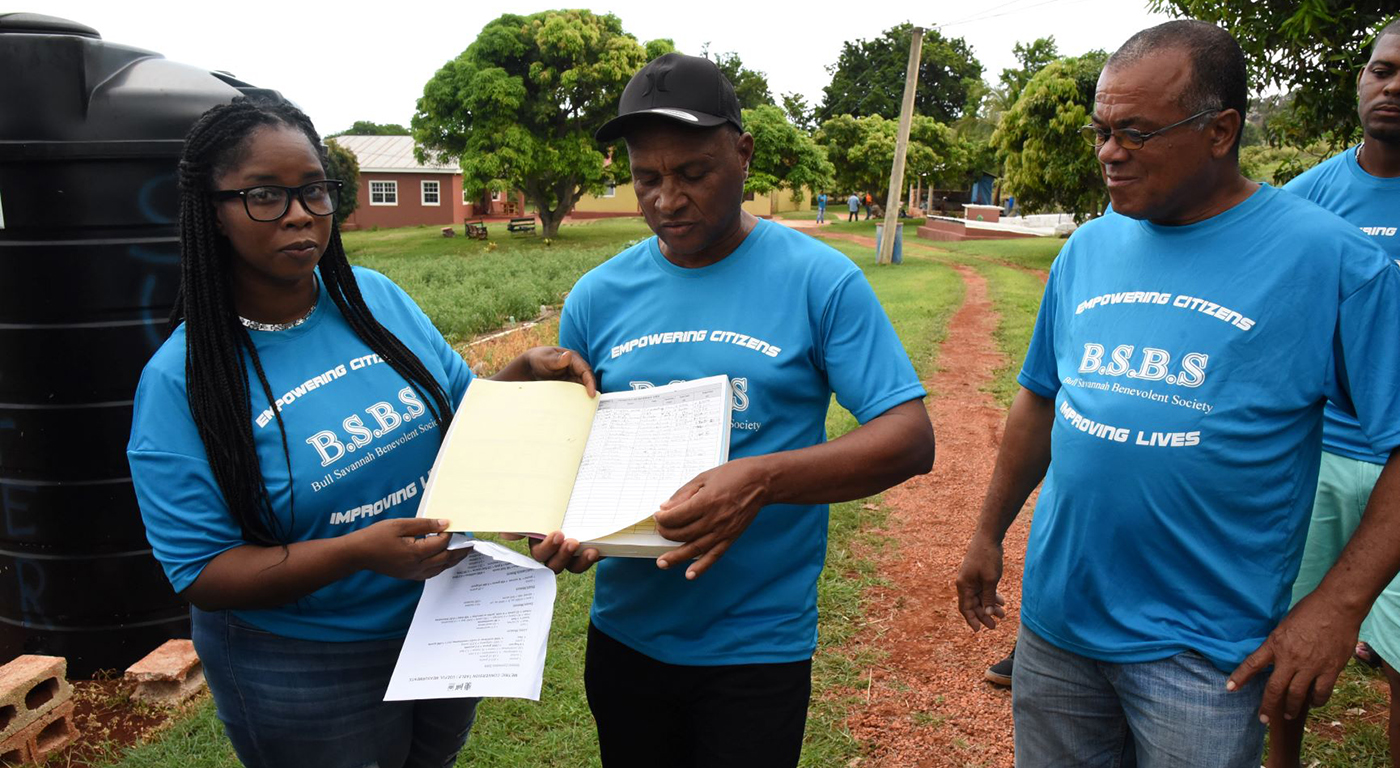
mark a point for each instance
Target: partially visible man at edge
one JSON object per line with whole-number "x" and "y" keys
{"x": 687, "y": 669}
{"x": 1172, "y": 401}
{"x": 1362, "y": 185}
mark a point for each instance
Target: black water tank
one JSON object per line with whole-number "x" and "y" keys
{"x": 90, "y": 136}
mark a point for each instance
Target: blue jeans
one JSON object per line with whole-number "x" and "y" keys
{"x": 288, "y": 703}
{"x": 1071, "y": 710}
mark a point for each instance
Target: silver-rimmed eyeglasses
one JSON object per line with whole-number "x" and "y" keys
{"x": 1131, "y": 138}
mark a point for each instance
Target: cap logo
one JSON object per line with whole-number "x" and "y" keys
{"x": 675, "y": 113}
{"x": 656, "y": 81}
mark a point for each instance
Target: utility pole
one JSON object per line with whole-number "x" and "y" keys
{"x": 906, "y": 116}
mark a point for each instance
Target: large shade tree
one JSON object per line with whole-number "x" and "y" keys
{"x": 750, "y": 86}
{"x": 1313, "y": 49}
{"x": 1045, "y": 161}
{"x": 861, "y": 151}
{"x": 868, "y": 78}
{"x": 784, "y": 157}
{"x": 519, "y": 107}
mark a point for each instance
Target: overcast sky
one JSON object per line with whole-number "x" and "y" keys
{"x": 374, "y": 58}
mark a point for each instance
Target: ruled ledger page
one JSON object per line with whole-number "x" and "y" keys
{"x": 644, "y": 445}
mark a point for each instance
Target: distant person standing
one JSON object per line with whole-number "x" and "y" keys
{"x": 821, "y": 208}
{"x": 868, "y": 201}
{"x": 852, "y": 202}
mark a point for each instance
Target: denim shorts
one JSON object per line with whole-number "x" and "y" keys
{"x": 289, "y": 703}
{"x": 1071, "y": 710}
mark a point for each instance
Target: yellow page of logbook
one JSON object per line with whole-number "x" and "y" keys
{"x": 510, "y": 457}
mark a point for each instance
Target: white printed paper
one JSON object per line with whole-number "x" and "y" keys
{"x": 480, "y": 629}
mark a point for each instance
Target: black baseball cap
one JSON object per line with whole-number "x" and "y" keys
{"x": 687, "y": 89}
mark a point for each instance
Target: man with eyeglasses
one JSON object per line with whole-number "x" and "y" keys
{"x": 1362, "y": 185}
{"x": 1172, "y": 402}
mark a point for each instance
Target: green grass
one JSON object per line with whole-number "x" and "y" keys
{"x": 468, "y": 287}
{"x": 1026, "y": 253}
{"x": 195, "y": 740}
{"x": 1358, "y": 742}
{"x": 838, "y": 223}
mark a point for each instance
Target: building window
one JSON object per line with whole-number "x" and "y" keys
{"x": 495, "y": 195}
{"x": 610, "y": 190}
{"x": 748, "y": 196}
{"x": 432, "y": 193}
{"x": 383, "y": 193}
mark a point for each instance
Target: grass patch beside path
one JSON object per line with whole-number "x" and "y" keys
{"x": 467, "y": 287}
{"x": 1027, "y": 253}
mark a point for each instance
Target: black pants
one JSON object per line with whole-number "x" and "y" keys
{"x": 650, "y": 713}
{"x": 852, "y": 217}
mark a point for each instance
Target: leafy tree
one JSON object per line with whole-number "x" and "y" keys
{"x": 784, "y": 157}
{"x": 751, "y": 87}
{"x": 371, "y": 128}
{"x": 986, "y": 103}
{"x": 798, "y": 113}
{"x": 342, "y": 164}
{"x": 861, "y": 151}
{"x": 1046, "y": 164}
{"x": 868, "y": 78}
{"x": 518, "y": 108}
{"x": 659, "y": 47}
{"x": 1312, "y": 48}
{"x": 1033, "y": 57}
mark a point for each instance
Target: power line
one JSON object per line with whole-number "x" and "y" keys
{"x": 1004, "y": 13}
{"x": 979, "y": 14}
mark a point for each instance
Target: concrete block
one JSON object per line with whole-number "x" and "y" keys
{"x": 169, "y": 675}
{"x": 17, "y": 754}
{"x": 35, "y": 742}
{"x": 31, "y": 687}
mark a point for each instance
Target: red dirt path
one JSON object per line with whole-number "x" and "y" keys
{"x": 927, "y": 702}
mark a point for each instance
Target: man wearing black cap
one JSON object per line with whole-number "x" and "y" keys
{"x": 715, "y": 669}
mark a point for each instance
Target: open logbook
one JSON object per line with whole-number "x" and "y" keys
{"x": 536, "y": 457}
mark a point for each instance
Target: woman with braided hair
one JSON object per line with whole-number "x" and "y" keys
{"x": 281, "y": 440}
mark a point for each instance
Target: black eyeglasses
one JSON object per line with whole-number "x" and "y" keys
{"x": 1131, "y": 138}
{"x": 269, "y": 202}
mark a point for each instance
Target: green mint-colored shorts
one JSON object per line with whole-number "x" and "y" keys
{"x": 1343, "y": 487}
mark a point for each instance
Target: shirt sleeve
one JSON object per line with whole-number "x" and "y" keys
{"x": 187, "y": 521}
{"x": 865, "y": 363}
{"x": 1040, "y": 373}
{"x": 1366, "y": 358}
{"x": 572, "y": 334}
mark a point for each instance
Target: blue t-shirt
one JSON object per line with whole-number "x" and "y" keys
{"x": 853, "y": 203}
{"x": 821, "y": 201}
{"x": 791, "y": 321}
{"x": 1188, "y": 367}
{"x": 1372, "y": 203}
{"x": 361, "y": 441}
